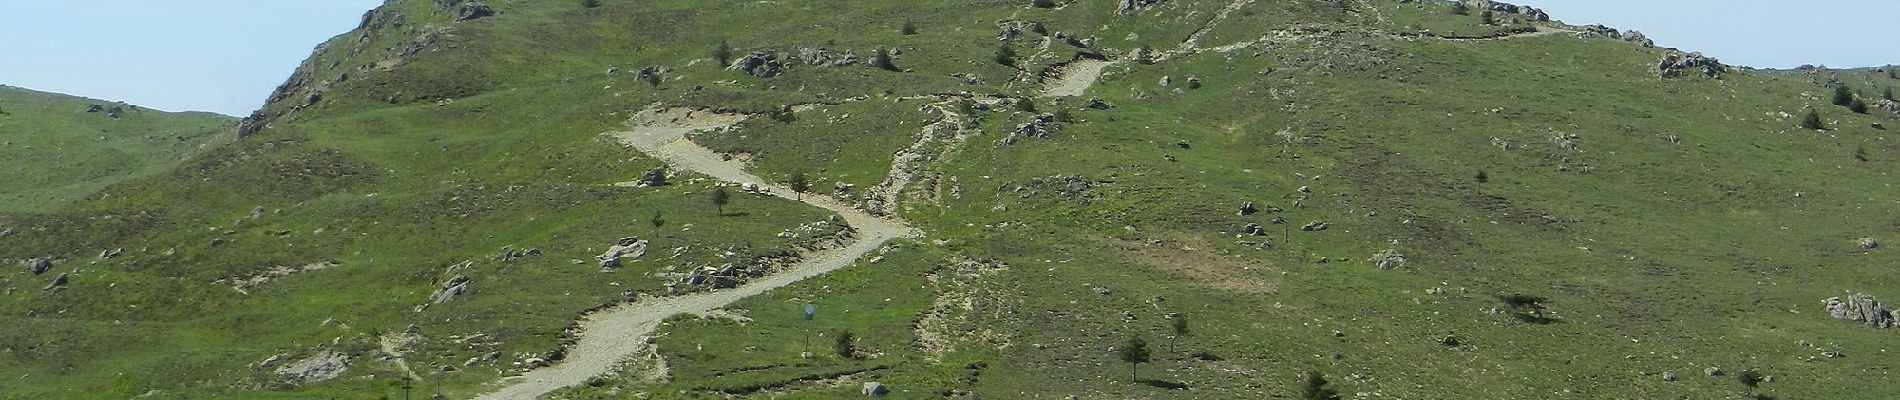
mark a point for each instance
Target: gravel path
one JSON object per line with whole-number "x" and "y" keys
{"x": 617, "y": 334}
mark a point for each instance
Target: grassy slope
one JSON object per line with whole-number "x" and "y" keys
{"x": 57, "y": 153}
{"x": 1665, "y": 257}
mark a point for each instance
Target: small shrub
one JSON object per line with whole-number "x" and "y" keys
{"x": 1843, "y": 95}
{"x": 910, "y": 28}
{"x": 1750, "y": 378}
{"x": 1026, "y": 105}
{"x": 798, "y": 183}
{"x": 1314, "y": 388}
{"x": 1043, "y": 3}
{"x": 719, "y": 199}
{"x": 590, "y": 3}
{"x": 1812, "y": 120}
{"x": 1482, "y": 177}
{"x": 1488, "y": 18}
{"x": 1039, "y": 29}
{"x": 1523, "y": 301}
{"x": 1858, "y": 106}
{"x": 1063, "y": 115}
{"x": 784, "y": 114}
{"x": 882, "y": 60}
{"x": 1459, "y": 7}
{"x": 845, "y": 345}
{"x": 1005, "y": 55}
{"x": 723, "y": 54}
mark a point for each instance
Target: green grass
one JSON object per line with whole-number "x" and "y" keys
{"x": 1658, "y": 257}
{"x": 56, "y": 152}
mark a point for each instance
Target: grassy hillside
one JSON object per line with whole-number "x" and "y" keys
{"x": 1689, "y": 223}
{"x": 59, "y": 149}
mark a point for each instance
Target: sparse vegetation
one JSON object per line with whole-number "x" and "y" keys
{"x": 910, "y": 28}
{"x": 1842, "y": 95}
{"x": 1005, "y": 55}
{"x": 844, "y": 344}
{"x": 719, "y": 197}
{"x": 1315, "y": 387}
{"x": 1812, "y": 120}
{"x": 882, "y": 60}
{"x": 723, "y": 53}
{"x": 1026, "y": 104}
{"x": 1134, "y": 352}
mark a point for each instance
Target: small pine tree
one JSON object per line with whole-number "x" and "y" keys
{"x": 590, "y": 3}
{"x": 723, "y": 53}
{"x": 1459, "y": 7}
{"x": 1005, "y": 55}
{"x": 720, "y": 198}
{"x": 1482, "y": 177}
{"x": 1488, "y": 18}
{"x": 882, "y": 60}
{"x": 1812, "y": 120}
{"x": 798, "y": 183}
{"x": 657, "y": 220}
{"x": 1179, "y": 325}
{"x": 1135, "y": 352}
{"x": 1043, "y": 3}
{"x": 1026, "y": 105}
{"x": 1843, "y": 95}
{"x": 1858, "y": 106}
{"x": 845, "y": 345}
{"x": 1315, "y": 388}
{"x": 910, "y": 28}
{"x": 1063, "y": 115}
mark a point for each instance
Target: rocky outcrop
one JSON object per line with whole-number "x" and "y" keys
{"x": 819, "y": 57}
{"x": 627, "y": 247}
{"x": 763, "y": 64}
{"x": 316, "y": 368}
{"x": 1528, "y": 12}
{"x": 448, "y": 290}
{"x": 58, "y": 282}
{"x": 1388, "y": 259}
{"x": 39, "y": 265}
{"x": 653, "y": 177}
{"x": 1861, "y": 308}
{"x": 473, "y": 10}
{"x": 1037, "y": 127}
{"x": 1125, "y": 7}
{"x": 1673, "y": 64}
{"x": 1867, "y": 243}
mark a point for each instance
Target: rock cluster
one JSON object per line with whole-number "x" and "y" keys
{"x": 39, "y": 265}
{"x": 653, "y": 177}
{"x": 819, "y": 57}
{"x": 1508, "y": 8}
{"x": 473, "y": 10}
{"x": 627, "y": 247}
{"x": 448, "y": 290}
{"x": 1388, "y": 259}
{"x": 1673, "y": 64}
{"x": 1038, "y": 127}
{"x": 1862, "y": 308}
{"x": 763, "y": 64}
{"x": 320, "y": 367}
{"x": 1069, "y": 187}
{"x": 1132, "y": 6}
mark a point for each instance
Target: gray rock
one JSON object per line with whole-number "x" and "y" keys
{"x": 1248, "y": 209}
{"x": 1253, "y": 230}
{"x": 448, "y": 290}
{"x": 1862, "y": 308}
{"x": 316, "y": 368}
{"x": 1132, "y": 6}
{"x": 1713, "y": 371}
{"x": 1669, "y": 377}
{"x": 627, "y": 247}
{"x": 653, "y": 177}
{"x": 875, "y": 389}
{"x": 58, "y": 282}
{"x": 1097, "y": 103}
{"x": 1314, "y": 226}
{"x": 472, "y": 11}
{"x": 39, "y": 265}
{"x": 1868, "y": 243}
{"x": 761, "y": 64}
{"x": 1388, "y": 259}
{"x": 111, "y": 253}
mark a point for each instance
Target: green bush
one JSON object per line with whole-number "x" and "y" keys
{"x": 1812, "y": 120}
{"x": 1043, "y": 3}
{"x": 1005, "y": 55}
{"x": 1843, "y": 95}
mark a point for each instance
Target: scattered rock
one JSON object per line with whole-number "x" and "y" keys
{"x": 448, "y": 290}
{"x": 627, "y": 247}
{"x": 1862, "y": 308}
{"x": 653, "y": 177}
{"x": 1097, "y": 103}
{"x": 1713, "y": 371}
{"x": 1449, "y": 341}
{"x": 1248, "y": 209}
{"x": 39, "y": 265}
{"x": 875, "y": 389}
{"x": 111, "y": 253}
{"x": 1669, "y": 377}
{"x": 317, "y": 368}
{"x": 1253, "y": 230}
{"x": 58, "y": 282}
{"x": 1528, "y": 12}
{"x": 1673, "y": 64}
{"x": 763, "y": 64}
{"x": 1125, "y": 7}
{"x": 473, "y": 10}
{"x": 1868, "y": 243}
{"x": 819, "y": 57}
{"x": 1314, "y": 226}
{"x": 1388, "y": 259}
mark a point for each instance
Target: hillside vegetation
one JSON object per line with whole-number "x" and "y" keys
{"x": 58, "y": 149}
{"x": 1394, "y": 195}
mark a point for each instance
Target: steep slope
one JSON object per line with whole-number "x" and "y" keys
{"x": 59, "y": 149}
{"x": 1441, "y": 208}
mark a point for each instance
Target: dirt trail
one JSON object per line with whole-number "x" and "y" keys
{"x": 1076, "y": 78}
{"x": 618, "y": 334}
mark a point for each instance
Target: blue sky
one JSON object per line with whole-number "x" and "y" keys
{"x": 225, "y": 56}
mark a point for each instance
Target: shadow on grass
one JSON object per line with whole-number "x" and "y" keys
{"x": 1170, "y": 385}
{"x": 1535, "y": 319}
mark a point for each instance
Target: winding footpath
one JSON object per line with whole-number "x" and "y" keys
{"x": 614, "y": 335}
